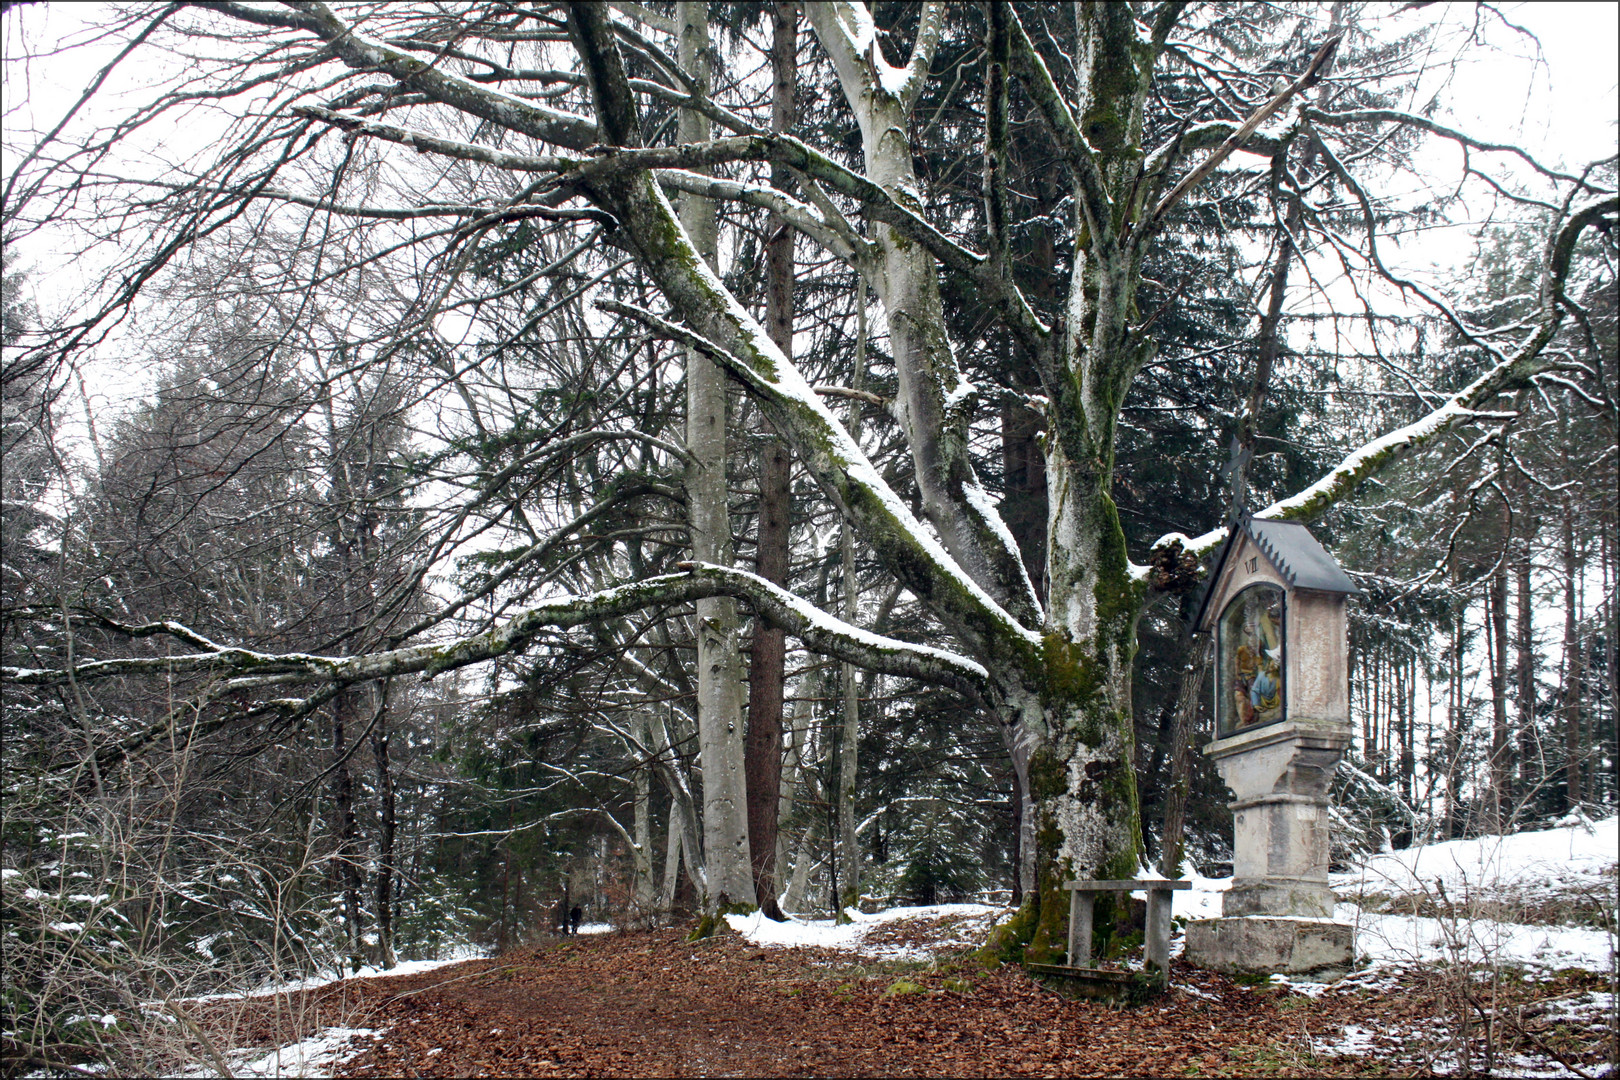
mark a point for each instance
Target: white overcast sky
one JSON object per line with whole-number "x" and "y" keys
{"x": 1562, "y": 107}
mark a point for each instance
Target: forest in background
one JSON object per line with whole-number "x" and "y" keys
{"x": 405, "y": 399}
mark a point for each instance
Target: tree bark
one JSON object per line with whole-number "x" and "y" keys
{"x": 642, "y": 890}
{"x": 766, "y": 682}
{"x": 1501, "y": 796}
{"x": 849, "y": 748}
{"x": 1532, "y": 763}
{"x": 347, "y": 855}
{"x": 728, "y": 866}
{"x": 849, "y": 737}
{"x": 1173, "y": 840}
{"x": 385, "y": 835}
{"x": 672, "y": 861}
{"x": 1456, "y": 717}
{"x": 1572, "y": 665}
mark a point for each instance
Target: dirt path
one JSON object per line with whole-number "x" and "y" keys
{"x": 650, "y": 1004}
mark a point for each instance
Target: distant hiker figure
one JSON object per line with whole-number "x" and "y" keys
{"x": 560, "y": 915}
{"x": 575, "y": 916}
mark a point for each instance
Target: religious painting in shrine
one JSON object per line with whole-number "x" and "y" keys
{"x": 1249, "y": 642}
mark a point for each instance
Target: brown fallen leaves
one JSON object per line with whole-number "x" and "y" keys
{"x": 650, "y": 1004}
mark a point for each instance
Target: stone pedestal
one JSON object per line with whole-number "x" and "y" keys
{"x": 1270, "y": 945}
{"x": 1278, "y": 913}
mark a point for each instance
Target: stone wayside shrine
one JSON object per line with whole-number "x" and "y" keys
{"x": 1276, "y": 605}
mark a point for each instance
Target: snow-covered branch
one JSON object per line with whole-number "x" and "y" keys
{"x": 844, "y": 473}
{"x": 246, "y": 667}
{"x": 365, "y": 54}
{"x": 1512, "y": 372}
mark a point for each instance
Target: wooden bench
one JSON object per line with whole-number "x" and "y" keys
{"x": 1082, "y": 894}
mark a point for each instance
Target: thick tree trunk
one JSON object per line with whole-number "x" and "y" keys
{"x": 766, "y": 681}
{"x": 728, "y": 868}
{"x": 1082, "y": 742}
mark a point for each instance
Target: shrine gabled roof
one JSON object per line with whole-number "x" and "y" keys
{"x": 1298, "y": 557}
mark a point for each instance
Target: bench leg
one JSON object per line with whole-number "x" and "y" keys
{"x": 1158, "y": 931}
{"x": 1080, "y": 928}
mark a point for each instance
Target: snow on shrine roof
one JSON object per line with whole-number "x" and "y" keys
{"x": 1289, "y": 546}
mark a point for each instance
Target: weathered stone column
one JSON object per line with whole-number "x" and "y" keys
{"x": 1280, "y": 775}
{"x": 1278, "y": 915}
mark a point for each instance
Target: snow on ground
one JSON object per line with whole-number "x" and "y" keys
{"x": 369, "y": 971}
{"x": 1573, "y": 865}
{"x": 1386, "y": 940}
{"x": 1529, "y": 867}
{"x": 1447, "y": 902}
{"x": 315, "y": 1056}
{"x": 961, "y": 925}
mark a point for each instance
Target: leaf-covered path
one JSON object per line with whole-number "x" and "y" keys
{"x": 651, "y": 1004}
{"x": 645, "y": 1004}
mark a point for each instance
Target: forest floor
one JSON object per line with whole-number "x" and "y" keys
{"x": 650, "y": 1003}
{"x": 1490, "y": 956}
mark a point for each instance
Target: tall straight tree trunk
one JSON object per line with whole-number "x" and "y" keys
{"x": 385, "y": 835}
{"x": 1173, "y": 840}
{"x": 1572, "y": 665}
{"x": 1456, "y": 718}
{"x": 348, "y": 856}
{"x": 1532, "y": 762}
{"x": 1611, "y": 600}
{"x": 1501, "y": 797}
{"x": 766, "y": 681}
{"x": 849, "y": 740}
{"x": 642, "y": 892}
{"x": 728, "y": 868}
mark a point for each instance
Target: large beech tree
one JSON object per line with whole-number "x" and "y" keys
{"x": 552, "y": 106}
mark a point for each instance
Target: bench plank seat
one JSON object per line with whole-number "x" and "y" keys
{"x": 1159, "y": 892}
{"x": 1133, "y": 885}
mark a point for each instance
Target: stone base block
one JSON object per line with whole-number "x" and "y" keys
{"x": 1301, "y": 899}
{"x": 1271, "y": 945}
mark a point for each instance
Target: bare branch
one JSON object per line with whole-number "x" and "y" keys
{"x": 1236, "y": 140}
